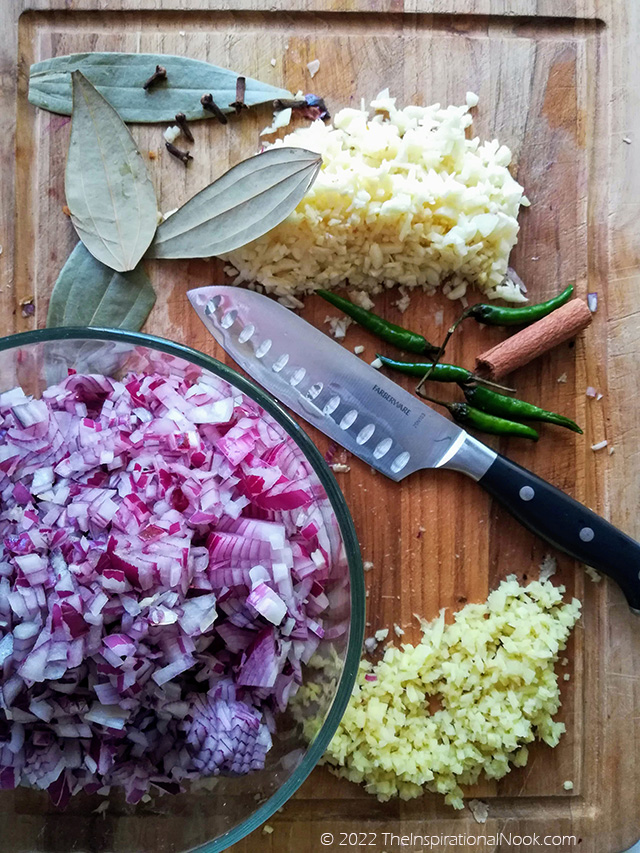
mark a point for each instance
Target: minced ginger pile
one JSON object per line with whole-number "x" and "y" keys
{"x": 403, "y": 197}
{"x": 491, "y": 671}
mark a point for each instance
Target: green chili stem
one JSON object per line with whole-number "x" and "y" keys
{"x": 398, "y": 336}
{"x": 496, "y": 315}
{"x": 441, "y": 372}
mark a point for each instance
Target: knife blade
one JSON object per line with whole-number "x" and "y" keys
{"x": 393, "y": 431}
{"x": 334, "y": 390}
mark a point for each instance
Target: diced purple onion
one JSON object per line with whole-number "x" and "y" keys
{"x": 162, "y": 580}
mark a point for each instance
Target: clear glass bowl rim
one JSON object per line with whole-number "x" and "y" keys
{"x": 338, "y": 503}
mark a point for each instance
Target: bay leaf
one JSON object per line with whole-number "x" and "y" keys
{"x": 120, "y": 77}
{"x": 109, "y": 192}
{"x": 88, "y": 293}
{"x": 242, "y": 205}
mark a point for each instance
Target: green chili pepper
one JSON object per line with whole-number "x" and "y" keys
{"x": 509, "y": 407}
{"x": 383, "y": 329}
{"x": 440, "y": 372}
{"x": 497, "y": 315}
{"x": 467, "y": 415}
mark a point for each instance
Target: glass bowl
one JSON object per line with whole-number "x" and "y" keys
{"x": 214, "y": 813}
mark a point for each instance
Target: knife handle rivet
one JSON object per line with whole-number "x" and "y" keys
{"x": 527, "y": 493}
{"x": 586, "y": 534}
{"x": 246, "y": 334}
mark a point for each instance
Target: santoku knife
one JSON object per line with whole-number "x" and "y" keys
{"x": 395, "y": 432}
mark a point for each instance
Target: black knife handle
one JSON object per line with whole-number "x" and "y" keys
{"x": 566, "y": 524}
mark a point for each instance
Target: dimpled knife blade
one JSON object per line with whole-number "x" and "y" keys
{"x": 334, "y": 390}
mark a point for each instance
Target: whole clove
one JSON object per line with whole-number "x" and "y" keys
{"x": 159, "y": 74}
{"x": 241, "y": 87}
{"x": 180, "y": 155}
{"x": 284, "y": 103}
{"x": 181, "y": 121}
{"x": 209, "y": 104}
{"x": 311, "y": 106}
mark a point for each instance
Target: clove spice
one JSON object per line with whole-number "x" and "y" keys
{"x": 241, "y": 87}
{"x": 209, "y": 104}
{"x": 159, "y": 74}
{"x": 284, "y": 103}
{"x": 311, "y": 106}
{"x": 181, "y": 121}
{"x": 185, "y": 156}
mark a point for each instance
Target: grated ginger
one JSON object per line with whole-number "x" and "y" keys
{"x": 492, "y": 671}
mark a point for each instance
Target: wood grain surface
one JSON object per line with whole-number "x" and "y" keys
{"x": 558, "y": 83}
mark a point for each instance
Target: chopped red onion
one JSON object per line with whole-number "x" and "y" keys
{"x": 592, "y": 302}
{"x": 162, "y": 580}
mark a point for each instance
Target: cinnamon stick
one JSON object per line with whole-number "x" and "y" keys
{"x": 559, "y": 326}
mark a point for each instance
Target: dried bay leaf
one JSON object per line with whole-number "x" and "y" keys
{"x": 87, "y": 293}
{"x": 109, "y": 192}
{"x": 242, "y": 205}
{"x": 120, "y": 77}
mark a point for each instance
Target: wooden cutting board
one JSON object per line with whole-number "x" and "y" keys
{"x": 558, "y": 83}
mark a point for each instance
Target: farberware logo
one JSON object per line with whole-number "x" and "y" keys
{"x": 391, "y": 399}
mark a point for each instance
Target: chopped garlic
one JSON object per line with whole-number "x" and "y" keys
{"x": 595, "y": 576}
{"x": 281, "y": 118}
{"x": 562, "y": 378}
{"x": 273, "y": 62}
{"x": 340, "y": 468}
{"x": 548, "y": 567}
{"x": 367, "y": 566}
{"x": 568, "y": 785}
{"x": 382, "y": 634}
{"x": 376, "y": 363}
{"x": 472, "y": 99}
{"x": 370, "y": 644}
{"x": 267, "y": 829}
{"x": 414, "y": 200}
{"x": 313, "y": 66}
{"x": 362, "y": 298}
{"x": 338, "y": 326}
{"x": 600, "y": 445}
{"x": 358, "y": 350}
{"x": 172, "y": 133}
{"x": 399, "y": 632}
{"x": 403, "y": 303}
{"x": 290, "y": 301}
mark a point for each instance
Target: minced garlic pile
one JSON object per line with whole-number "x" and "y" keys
{"x": 403, "y": 197}
{"x": 491, "y": 672}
